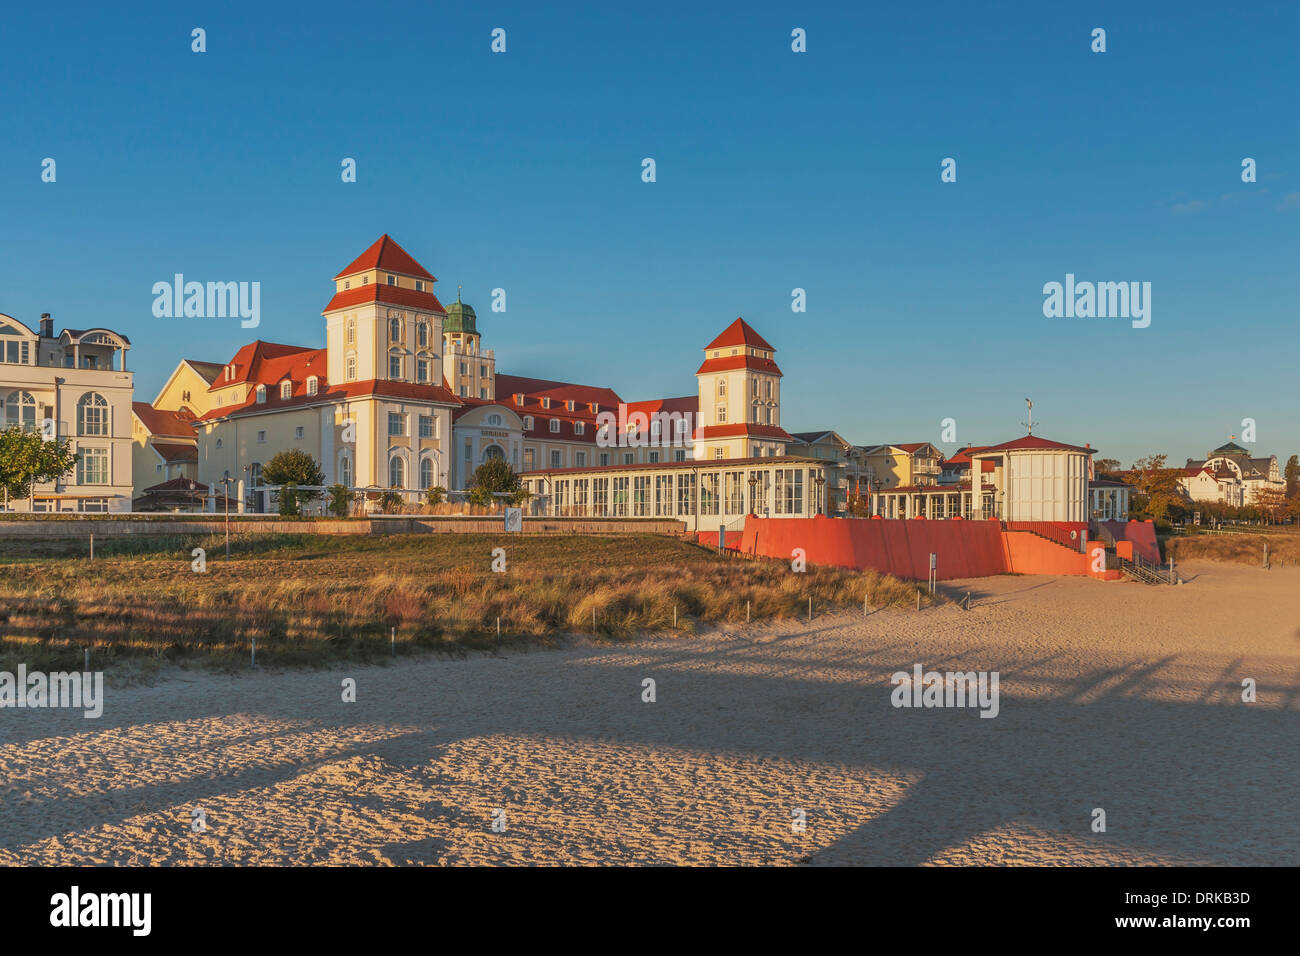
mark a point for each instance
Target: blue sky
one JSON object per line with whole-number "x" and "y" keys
{"x": 775, "y": 170}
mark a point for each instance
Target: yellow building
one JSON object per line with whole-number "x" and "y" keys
{"x": 739, "y": 397}
{"x": 903, "y": 465}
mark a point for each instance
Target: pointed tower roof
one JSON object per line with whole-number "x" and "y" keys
{"x": 740, "y": 332}
{"x": 386, "y": 254}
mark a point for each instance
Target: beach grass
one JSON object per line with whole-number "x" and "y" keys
{"x": 310, "y": 600}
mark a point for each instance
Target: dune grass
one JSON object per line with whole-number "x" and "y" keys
{"x": 308, "y": 600}
{"x": 1237, "y": 547}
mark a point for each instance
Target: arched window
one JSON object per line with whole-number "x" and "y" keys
{"x": 20, "y": 411}
{"x": 351, "y": 337}
{"x": 345, "y": 469}
{"x": 286, "y": 389}
{"x": 396, "y": 473}
{"x": 261, "y": 393}
{"x": 92, "y": 414}
{"x": 422, "y": 334}
{"x": 494, "y": 421}
{"x": 492, "y": 452}
{"x": 426, "y": 473}
{"x": 395, "y": 330}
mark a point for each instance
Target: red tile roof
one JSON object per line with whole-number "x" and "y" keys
{"x": 730, "y": 362}
{"x": 386, "y": 254}
{"x": 333, "y": 393}
{"x": 687, "y": 404}
{"x": 382, "y": 292}
{"x": 164, "y": 422}
{"x": 1034, "y": 442}
{"x": 749, "y": 429}
{"x": 739, "y": 332}
{"x": 171, "y": 453}
{"x": 535, "y": 389}
{"x": 249, "y": 362}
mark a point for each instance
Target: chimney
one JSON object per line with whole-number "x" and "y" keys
{"x": 47, "y": 325}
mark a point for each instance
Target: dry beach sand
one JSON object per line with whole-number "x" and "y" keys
{"x": 1113, "y": 695}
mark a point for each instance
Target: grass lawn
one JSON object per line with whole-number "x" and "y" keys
{"x": 315, "y": 599}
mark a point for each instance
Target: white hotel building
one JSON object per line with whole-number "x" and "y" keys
{"x": 404, "y": 396}
{"x": 73, "y": 384}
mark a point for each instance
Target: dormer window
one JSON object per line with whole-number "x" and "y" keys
{"x": 594, "y": 406}
{"x": 528, "y": 422}
{"x": 392, "y": 280}
{"x": 261, "y": 393}
{"x": 347, "y": 283}
{"x": 419, "y": 285}
{"x": 519, "y": 398}
{"x": 570, "y": 404}
{"x": 555, "y": 426}
{"x": 365, "y": 280}
{"x": 579, "y": 428}
{"x": 546, "y": 403}
{"x": 312, "y": 385}
{"x": 286, "y": 390}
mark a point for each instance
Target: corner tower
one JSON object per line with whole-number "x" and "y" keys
{"x": 740, "y": 397}
{"x": 470, "y": 371}
{"x": 384, "y": 322}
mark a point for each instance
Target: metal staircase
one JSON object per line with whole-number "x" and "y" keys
{"x": 1140, "y": 569}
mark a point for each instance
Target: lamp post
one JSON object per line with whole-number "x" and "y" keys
{"x": 820, "y": 482}
{"x": 225, "y": 493}
{"x": 753, "y": 491}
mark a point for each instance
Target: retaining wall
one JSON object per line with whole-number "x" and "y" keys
{"x": 83, "y": 527}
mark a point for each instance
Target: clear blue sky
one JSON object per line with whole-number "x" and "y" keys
{"x": 775, "y": 170}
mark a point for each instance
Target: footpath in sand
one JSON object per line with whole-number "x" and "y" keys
{"x": 1113, "y": 695}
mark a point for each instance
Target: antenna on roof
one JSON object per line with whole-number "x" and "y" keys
{"x": 1029, "y": 425}
{"x": 457, "y": 293}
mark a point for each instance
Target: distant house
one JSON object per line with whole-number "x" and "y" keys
{"x": 1229, "y": 462}
{"x": 851, "y": 480}
{"x": 904, "y": 465}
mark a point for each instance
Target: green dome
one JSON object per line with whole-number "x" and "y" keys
{"x": 460, "y": 318}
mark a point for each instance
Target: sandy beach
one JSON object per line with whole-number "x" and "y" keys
{"x": 1113, "y": 695}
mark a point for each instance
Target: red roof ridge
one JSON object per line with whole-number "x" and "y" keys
{"x": 385, "y": 253}
{"x": 739, "y": 332}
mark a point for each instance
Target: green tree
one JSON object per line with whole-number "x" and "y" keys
{"x": 1292, "y": 475}
{"x": 1157, "y": 493}
{"x": 289, "y": 499}
{"x": 294, "y": 468}
{"x": 26, "y": 459}
{"x": 340, "y": 501}
{"x": 435, "y": 495}
{"x": 492, "y": 477}
{"x": 390, "y": 503}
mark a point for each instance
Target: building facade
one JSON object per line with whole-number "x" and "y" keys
{"x": 73, "y": 385}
